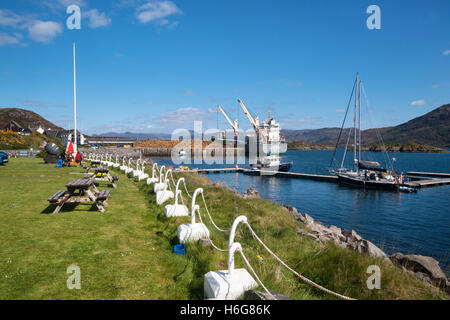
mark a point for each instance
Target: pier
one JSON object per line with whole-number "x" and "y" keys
{"x": 425, "y": 177}
{"x": 428, "y": 183}
{"x": 429, "y": 174}
{"x": 271, "y": 173}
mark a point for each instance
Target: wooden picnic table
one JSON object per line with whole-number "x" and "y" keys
{"x": 102, "y": 174}
{"x": 93, "y": 164}
{"x": 79, "y": 191}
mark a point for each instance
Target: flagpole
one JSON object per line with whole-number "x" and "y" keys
{"x": 74, "y": 102}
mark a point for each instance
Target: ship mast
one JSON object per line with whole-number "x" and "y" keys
{"x": 354, "y": 124}
{"x": 359, "y": 115}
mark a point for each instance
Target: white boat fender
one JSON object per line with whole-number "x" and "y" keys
{"x": 176, "y": 210}
{"x": 162, "y": 183}
{"x": 153, "y": 179}
{"x": 232, "y": 283}
{"x": 193, "y": 231}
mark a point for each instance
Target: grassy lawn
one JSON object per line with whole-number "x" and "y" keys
{"x": 126, "y": 252}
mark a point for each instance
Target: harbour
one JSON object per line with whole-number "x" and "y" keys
{"x": 395, "y": 221}
{"x": 328, "y": 178}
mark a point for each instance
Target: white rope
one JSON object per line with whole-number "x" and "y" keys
{"x": 205, "y": 229}
{"x": 210, "y": 218}
{"x": 185, "y": 188}
{"x": 293, "y": 271}
{"x": 256, "y": 276}
{"x": 255, "y": 236}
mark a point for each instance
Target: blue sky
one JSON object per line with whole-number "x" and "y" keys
{"x": 153, "y": 66}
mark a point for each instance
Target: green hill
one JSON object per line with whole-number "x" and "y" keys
{"x": 431, "y": 129}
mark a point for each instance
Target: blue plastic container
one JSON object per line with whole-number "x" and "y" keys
{"x": 179, "y": 249}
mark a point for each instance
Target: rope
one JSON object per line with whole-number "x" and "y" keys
{"x": 254, "y": 273}
{"x": 210, "y": 218}
{"x": 255, "y": 236}
{"x": 204, "y": 228}
{"x": 185, "y": 188}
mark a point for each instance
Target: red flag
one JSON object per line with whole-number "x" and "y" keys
{"x": 70, "y": 148}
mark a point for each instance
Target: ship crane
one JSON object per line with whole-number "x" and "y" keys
{"x": 253, "y": 121}
{"x": 233, "y": 125}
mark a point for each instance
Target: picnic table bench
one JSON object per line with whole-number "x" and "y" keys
{"x": 93, "y": 164}
{"x": 102, "y": 174}
{"x": 79, "y": 191}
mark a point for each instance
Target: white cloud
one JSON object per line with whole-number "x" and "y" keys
{"x": 44, "y": 31}
{"x": 40, "y": 31}
{"x": 418, "y": 103}
{"x": 446, "y": 52}
{"x": 288, "y": 122}
{"x": 184, "y": 117}
{"x": 66, "y": 3}
{"x": 10, "y": 19}
{"x": 6, "y": 39}
{"x": 157, "y": 11}
{"x": 97, "y": 19}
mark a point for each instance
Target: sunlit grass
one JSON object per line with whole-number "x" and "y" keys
{"x": 127, "y": 252}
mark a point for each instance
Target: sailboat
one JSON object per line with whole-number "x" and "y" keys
{"x": 364, "y": 174}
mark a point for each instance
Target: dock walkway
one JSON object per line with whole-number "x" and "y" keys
{"x": 427, "y": 179}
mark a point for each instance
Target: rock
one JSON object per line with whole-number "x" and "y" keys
{"x": 251, "y": 194}
{"x": 262, "y": 295}
{"x": 351, "y": 234}
{"x": 204, "y": 242}
{"x": 307, "y": 234}
{"x": 309, "y": 219}
{"x": 297, "y": 216}
{"x": 335, "y": 230}
{"x": 373, "y": 251}
{"x": 422, "y": 267}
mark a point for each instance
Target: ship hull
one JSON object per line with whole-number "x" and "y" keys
{"x": 366, "y": 184}
{"x": 258, "y": 171}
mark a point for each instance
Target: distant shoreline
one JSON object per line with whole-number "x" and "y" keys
{"x": 409, "y": 147}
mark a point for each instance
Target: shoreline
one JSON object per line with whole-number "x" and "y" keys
{"x": 421, "y": 267}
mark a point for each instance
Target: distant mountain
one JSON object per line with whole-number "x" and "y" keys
{"x": 324, "y": 135}
{"x": 431, "y": 129}
{"x": 25, "y": 118}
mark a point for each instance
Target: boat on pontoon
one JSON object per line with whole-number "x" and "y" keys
{"x": 364, "y": 174}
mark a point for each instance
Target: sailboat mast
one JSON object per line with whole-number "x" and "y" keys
{"x": 75, "y": 147}
{"x": 359, "y": 115}
{"x": 354, "y": 122}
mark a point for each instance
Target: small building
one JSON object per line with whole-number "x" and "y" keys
{"x": 14, "y": 126}
{"x": 66, "y": 136}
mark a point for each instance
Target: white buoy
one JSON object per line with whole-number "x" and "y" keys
{"x": 176, "y": 210}
{"x": 232, "y": 283}
{"x": 164, "y": 195}
{"x": 116, "y": 164}
{"x": 129, "y": 168}
{"x": 193, "y": 231}
{"x": 137, "y": 171}
{"x": 153, "y": 179}
{"x": 123, "y": 166}
{"x": 142, "y": 175}
{"x": 162, "y": 182}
